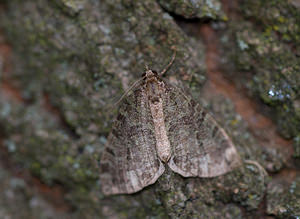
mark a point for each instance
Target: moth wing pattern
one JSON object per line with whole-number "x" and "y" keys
{"x": 129, "y": 161}
{"x": 200, "y": 147}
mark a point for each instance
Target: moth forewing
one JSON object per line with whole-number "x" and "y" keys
{"x": 129, "y": 161}
{"x": 200, "y": 147}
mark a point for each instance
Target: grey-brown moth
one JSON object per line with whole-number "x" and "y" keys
{"x": 159, "y": 125}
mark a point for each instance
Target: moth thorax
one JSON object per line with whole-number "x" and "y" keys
{"x": 153, "y": 90}
{"x": 151, "y": 74}
{"x": 155, "y": 100}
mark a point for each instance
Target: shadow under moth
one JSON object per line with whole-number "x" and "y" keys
{"x": 159, "y": 125}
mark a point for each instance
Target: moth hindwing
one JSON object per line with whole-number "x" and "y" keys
{"x": 158, "y": 125}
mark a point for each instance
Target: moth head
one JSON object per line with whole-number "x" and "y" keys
{"x": 149, "y": 73}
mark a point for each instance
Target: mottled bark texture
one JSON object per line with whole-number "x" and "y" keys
{"x": 194, "y": 8}
{"x": 72, "y": 59}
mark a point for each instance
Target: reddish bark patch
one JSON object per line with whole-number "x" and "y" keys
{"x": 261, "y": 126}
{"x": 54, "y": 194}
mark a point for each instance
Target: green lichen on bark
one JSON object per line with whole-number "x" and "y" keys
{"x": 268, "y": 47}
{"x": 262, "y": 52}
{"x": 14, "y": 191}
{"x": 189, "y": 200}
{"x": 283, "y": 199}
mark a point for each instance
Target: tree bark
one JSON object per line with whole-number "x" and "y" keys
{"x": 71, "y": 60}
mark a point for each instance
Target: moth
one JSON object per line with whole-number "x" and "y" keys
{"x": 159, "y": 125}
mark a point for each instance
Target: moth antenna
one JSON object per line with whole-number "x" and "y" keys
{"x": 129, "y": 89}
{"x": 170, "y": 63}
